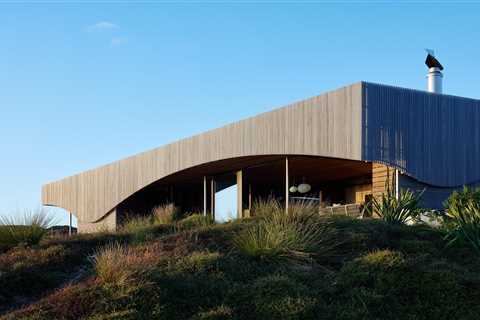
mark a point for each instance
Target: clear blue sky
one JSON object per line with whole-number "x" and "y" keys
{"x": 83, "y": 85}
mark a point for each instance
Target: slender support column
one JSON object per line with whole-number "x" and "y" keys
{"x": 287, "y": 200}
{"x": 397, "y": 187}
{"x": 212, "y": 197}
{"x": 172, "y": 200}
{"x": 204, "y": 195}
{"x": 70, "y": 225}
{"x": 250, "y": 199}
{"x": 320, "y": 201}
{"x": 239, "y": 194}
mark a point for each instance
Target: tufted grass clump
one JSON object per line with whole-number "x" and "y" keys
{"x": 165, "y": 214}
{"x": 121, "y": 269}
{"x": 299, "y": 236}
{"x": 135, "y": 222}
{"x": 26, "y": 229}
{"x": 266, "y": 207}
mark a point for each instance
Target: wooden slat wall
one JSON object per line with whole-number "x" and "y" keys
{"x": 327, "y": 125}
{"x": 380, "y": 175}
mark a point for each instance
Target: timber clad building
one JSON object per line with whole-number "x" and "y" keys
{"x": 341, "y": 145}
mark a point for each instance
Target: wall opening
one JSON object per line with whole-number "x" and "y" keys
{"x": 226, "y": 204}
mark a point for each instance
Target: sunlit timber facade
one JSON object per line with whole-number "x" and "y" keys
{"x": 345, "y": 144}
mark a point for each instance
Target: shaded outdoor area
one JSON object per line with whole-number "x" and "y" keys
{"x": 327, "y": 182}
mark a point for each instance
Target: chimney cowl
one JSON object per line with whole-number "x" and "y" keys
{"x": 435, "y": 75}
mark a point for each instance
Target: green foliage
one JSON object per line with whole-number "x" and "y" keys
{"x": 195, "y": 220}
{"x": 298, "y": 236}
{"x": 218, "y": 313}
{"x": 69, "y": 303}
{"x": 134, "y": 223}
{"x": 462, "y": 220}
{"x": 166, "y": 214}
{"x": 387, "y": 284}
{"x": 120, "y": 268}
{"x": 375, "y": 270}
{"x": 281, "y": 297}
{"x": 139, "y": 228}
{"x": 27, "y": 229}
{"x": 396, "y": 210}
{"x": 459, "y": 199}
{"x": 266, "y": 207}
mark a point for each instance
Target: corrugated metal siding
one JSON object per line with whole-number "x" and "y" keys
{"x": 433, "y": 197}
{"x": 433, "y": 138}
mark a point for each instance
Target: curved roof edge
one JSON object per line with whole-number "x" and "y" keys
{"x": 327, "y": 125}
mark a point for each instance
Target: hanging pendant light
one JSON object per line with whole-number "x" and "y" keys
{"x": 304, "y": 187}
{"x": 293, "y": 189}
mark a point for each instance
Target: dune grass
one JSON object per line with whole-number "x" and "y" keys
{"x": 376, "y": 271}
{"x": 121, "y": 269}
{"x": 195, "y": 220}
{"x": 26, "y": 228}
{"x": 165, "y": 214}
{"x": 297, "y": 236}
{"x": 276, "y": 265}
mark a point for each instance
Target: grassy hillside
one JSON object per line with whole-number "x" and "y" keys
{"x": 192, "y": 269}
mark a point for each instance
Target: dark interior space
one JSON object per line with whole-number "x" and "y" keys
{"x": 331, "y": 182}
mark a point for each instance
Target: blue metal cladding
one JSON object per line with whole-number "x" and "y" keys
{"x": 433, "y": 138}
{"x": 432, "y": 197}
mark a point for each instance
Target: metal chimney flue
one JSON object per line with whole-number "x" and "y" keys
{"x": 435, "y": 75}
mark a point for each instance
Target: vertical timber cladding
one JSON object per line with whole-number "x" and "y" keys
{"x": 383, "y": 177}
{"x": 328, "y": 125}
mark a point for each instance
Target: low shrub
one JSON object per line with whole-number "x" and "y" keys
{"x": 298, "y": 236}
{"x": 464, "y": 223}
{"x": 70, "y": 303}
{"x": 274, "y": 296}
{"x": 195, "y": 220}
{"x": 386, "y": 284}
{"x": 27, "y": 229}
{"x": 218, "y": 313}
{"x": 196, "y": 263}
{"x": 459, "y": 199}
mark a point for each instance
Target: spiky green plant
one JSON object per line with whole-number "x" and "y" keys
{"x": 298, "y": 236}
{"x": 462, "y": 219}
{"x": 395, "y": 209}
{"x": 26, "y": 228}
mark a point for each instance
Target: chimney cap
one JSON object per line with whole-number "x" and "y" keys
{"x": 432, "y": 62}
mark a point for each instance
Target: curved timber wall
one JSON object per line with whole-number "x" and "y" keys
{"x": 433, "y": 138}
{"x": 328, "y": 125}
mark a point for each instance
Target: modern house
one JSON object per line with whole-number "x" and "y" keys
{"x": 336, "y": 148}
